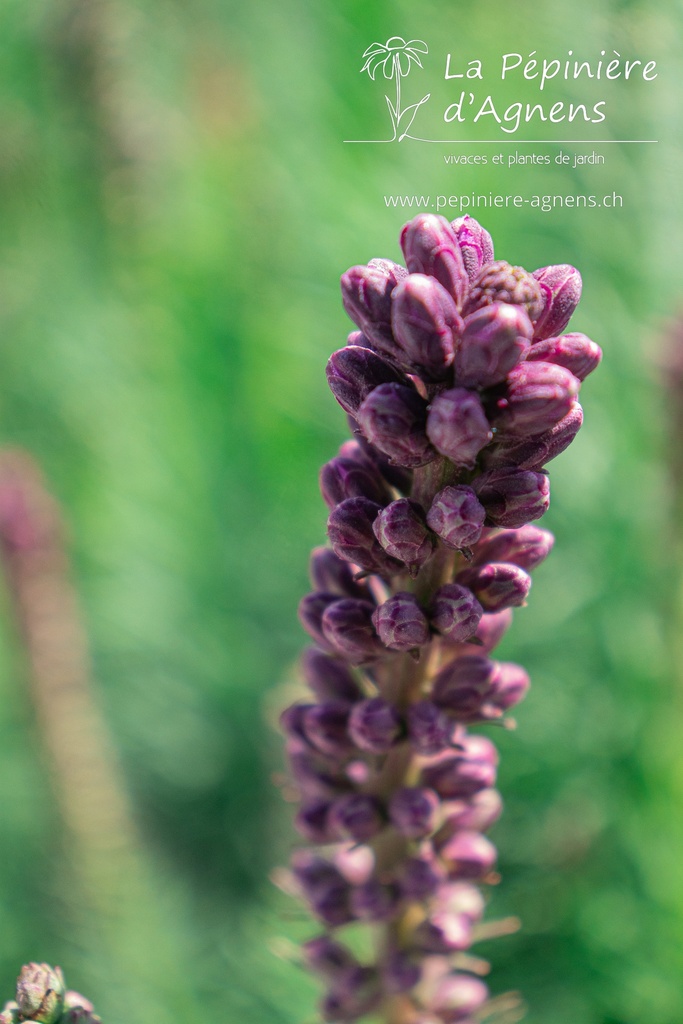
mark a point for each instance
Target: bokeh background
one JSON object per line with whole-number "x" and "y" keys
{"x": 177, "y": 205}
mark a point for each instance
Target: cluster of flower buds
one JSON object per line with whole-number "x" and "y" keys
{"x": 459, "y": 387}
{"x": 42, "y": 997}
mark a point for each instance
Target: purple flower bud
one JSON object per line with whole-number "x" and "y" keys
{"x": 419, "y": 877}
{"x": 312, "y": 822}
{"x": 372, "y": 901}
{"x": 460, "y": 898}
{"x": 329, "y": 677}
{"x": 394, "y": 418}
{"x": 366, "y": 295}
{"x": 347, "y": 626}
{"x": 510, "y": 686}
{"x": 457, "y": 998}
{"x": 413, "y": 811}
{"x": 457, "y": 426}
{"x": 324, "y": 726}
{"x": 560, "y": 292}
{"x": 497, "y": 585}
{"x": 401, "y": 971}
{"x": 292, "y": 721}
{"x": 476, "y": 244}
{"x": 536, "y": 397}
{"x": 457, "y": 516}
{"x": 311, "y": 610}
{"x": 327, "y": 957}
{"x": 401, "y": 529}
{"x": 444, "y": 933}
{"x": 575, "y": 352}
{"x": 353, "y": 372}
{"x": 494, "y": 339}
{"x": 490, "y": 631}
{"x": 362, "y": 451}
{"x": 426, "y": 324}
{"x": 499, "y": 282}
{"x": 477, "y": 813}
{"x": 401, "y": 623}
{"x": 374, "y": 725}
{"x": 455, "y": 612}
{"x": 314, "y": 776}
{"x": 468, "y": 855}
{"x": 463, "y": 686}
{"x": 40, "y": 993}
{"x": 429, "y": 728}
{"x": 355, "y": 862}
{"x": 313, "y": 873}
{"x": 356, "y": 816}
{"x": 526, "y": 547}
{"x": 455, "y": 778}
{"x": 477, "y": 747}
{"x": 354, "y": 994}
{"x": 534, "y": 452}
{"x": 330, "y": 574}
{"x": 324, "y": 887}
{"x": 511, "y": 496}
{"x": 349, "y": 528}
{"x": 431, "y": 246}
{"x": 345, "y": 478}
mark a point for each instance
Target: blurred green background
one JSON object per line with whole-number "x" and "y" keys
{"x": 177, "y": 205}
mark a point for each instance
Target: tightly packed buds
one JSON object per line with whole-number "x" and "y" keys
{"x": 42, "y": 998}
{"x": 459, "y": 387}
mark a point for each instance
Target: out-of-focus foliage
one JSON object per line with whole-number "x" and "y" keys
{"x": 176, "y": 206}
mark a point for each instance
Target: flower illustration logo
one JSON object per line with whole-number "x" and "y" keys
{"x": 396, "y": 58}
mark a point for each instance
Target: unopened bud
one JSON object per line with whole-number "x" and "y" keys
{"x": 431, "y": 246}
{"x": 401, "y": 529}
{"x": 468, "y": 855}
{"x": 346, "y": 478}
{"x": 311, "y": 610}
{"x": 462, "y": 686}
{"x": 526, "y": 547}
{"x": 356, "y": 816}
{"x": 40, "y": 993}
{"x": 575, "y": 352}
{"x": 455, "y": 612}
{"x": 393, "y": 418}
{"x": 353, "y": 372}
{"x": 366, "y": 295}
{"x": 329, "y": 677}
{"x": 494, "y": 339}
{"x": 429, "y": 728}
{"x": 535, "y": 452}
{"x": 476, "y": 244}
{"x": 536, "y": 397}
{"x": 349, "y": 528}
{"x": 374, "y": 725}
{"x": 500, "y": 282}
{"x": 413, "y": 811}
{"x": 457, "y": 516}
{"x": 457, "y": 998}
{"x": 512, "y": 496}
{"x": 497, "y": 585}
{"x": 347, "y": 626}
{"x": 560, "y": 294}
{"x": 401, "y": 623}
{"x": 373, "y": 901}
{"x": 331, "y": 574}
{"x": 426, "y": 325}
{"x": 457, "y": 426}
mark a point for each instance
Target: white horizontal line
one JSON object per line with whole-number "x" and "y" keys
{"x": 518, "y": 142}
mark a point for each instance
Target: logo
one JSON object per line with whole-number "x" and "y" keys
{"x": 396, "y": 58}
